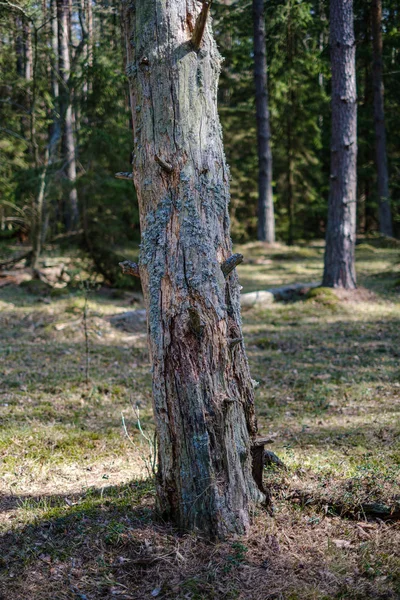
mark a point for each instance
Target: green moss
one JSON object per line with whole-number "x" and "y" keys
{"x": 59, "y": 292}
{"x": 36, "y": 287}
{"x": 366, "y": 248}
{"x": 323, "y": 295}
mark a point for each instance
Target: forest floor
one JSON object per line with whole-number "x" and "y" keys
{"x": 76, "y": 499}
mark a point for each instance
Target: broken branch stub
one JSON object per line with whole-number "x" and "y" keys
{"x": 163, "y": 164}
{"x": 130, "y": 268}
{"x": 230, "y": 263}
{"x": 200, "y": 25}
{"x": 122, "y": 175}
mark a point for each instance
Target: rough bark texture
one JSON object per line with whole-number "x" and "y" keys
{"x": 68, "y": 143}
{"x": 266, "y": 220}
{"x": 385, "y": 215}
{"x": 202, "y": 391}
{"x": 339, "y": 268}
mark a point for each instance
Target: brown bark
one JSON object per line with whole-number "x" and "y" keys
{"x": 339, "y": 269}
{"x": 202, "y": 392}
{"x": 385, "y": 215}
{"x": 266, "y": 220}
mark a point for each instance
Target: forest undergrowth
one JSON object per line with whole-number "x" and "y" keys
{"x": 76, "y": 493}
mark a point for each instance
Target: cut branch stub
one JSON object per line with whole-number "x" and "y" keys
{"x": 232, "y": 342}
{"x": 230, "y": 263}
{"x": 122, "y": 175}
{"x": 129, "y": 268}
{"x": 200, "y": 25}
{"x": 163, "y": 164}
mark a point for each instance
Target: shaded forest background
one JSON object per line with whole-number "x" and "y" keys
{"x": 39, "y": 92}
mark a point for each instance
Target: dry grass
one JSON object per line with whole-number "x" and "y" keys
{"x": 77, "y": 516}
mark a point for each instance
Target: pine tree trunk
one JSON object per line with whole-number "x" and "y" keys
{"x": 385, "y": 215}
{"x": 202, "y": 392}
{"x": 266, "y": 220}
{"x": 339, "y": 268}
{"x": 71, "y": 215}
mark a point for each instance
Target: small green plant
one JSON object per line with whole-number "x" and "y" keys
{"x": 150, "y": 459}
{"x": 238, "y": 556}
{"x": 87, "y": 288}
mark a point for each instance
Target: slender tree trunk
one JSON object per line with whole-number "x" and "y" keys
{"x": 202, "y": 392}
{"x": 19, "y": 46}
{"x": 385, "y": 215}
{"x": 23, "y": 101}
{"x": 69, "y": 152}
{"x": 28, "y": 51}
{"x": 290, "y": 183}
{"x": 37, "y": 238}
{"x": 89, "y": 16}
{"x": 290, "y": 188}
{"x": 339, "y": 268}
{"x": 266, "y": 220}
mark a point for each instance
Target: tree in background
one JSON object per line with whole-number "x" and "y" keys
{"x": 297, "y": 102}
{"x": 36, "y": 114}
{"x": 31, "y": 91}
{"x": 71, "y": 209}
{"x": 202, "y": 392}
{"x": 339, "y": 268}
{"x": 385, "y": 215}
{"x": 266, "y": 219}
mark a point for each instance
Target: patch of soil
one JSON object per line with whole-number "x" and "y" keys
{"x": 360, "y": 294}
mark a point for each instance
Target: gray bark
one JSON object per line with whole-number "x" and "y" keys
{"x": 54, "y": 49}
{"x": 339, "y": 270}
{"x": 202, "y": 392}
{"x": 385, "y": 215}
{"x": 28, "y": 51}
{"x": 69, "y": 153}
{"x": 266, "y": 219}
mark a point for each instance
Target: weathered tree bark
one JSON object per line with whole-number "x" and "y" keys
{"x": 71, "y": 210}
{"x": 339, "y": 269}
{"x": 385, "y": 215}
{"x": 266, "y": 219}
{"x": 202, "y": 392}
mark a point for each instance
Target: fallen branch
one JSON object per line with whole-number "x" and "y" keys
{"x": 10, "y": 262}
{"x": 374, "y": 510}
{"x": 285, "y": 292}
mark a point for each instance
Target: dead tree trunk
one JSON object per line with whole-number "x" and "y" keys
{"x": 69, "y": 154}
{"x": 202, "y": 391}
{"x": 266, "y": 220}
{"x": 385, "y": 215}
{"x": 339, "y": 270}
